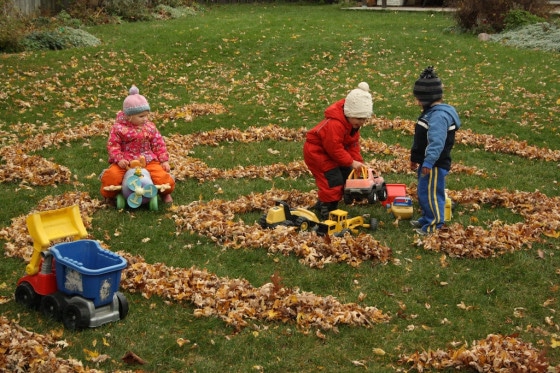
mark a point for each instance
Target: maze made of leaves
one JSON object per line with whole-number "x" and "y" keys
{"x": 236, "y": 301}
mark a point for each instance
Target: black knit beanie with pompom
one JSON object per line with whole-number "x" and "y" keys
{"x": 428, "y": 88}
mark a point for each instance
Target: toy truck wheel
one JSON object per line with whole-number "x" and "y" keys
{"x": 52, "y": 306}
{"x": 348, "y": 199}
{"x": 123, "y": 305}
{"x": 372, "y": 197}
{"x": 302, "y": 223}
{"x": 342, "y": 232}
{"x": 262, "y": 222}
{"x": 26, "y": 295}
{"x": 382, "y": 194}
{"x": 121, "y": 202}
{"x": 373, "y": 224}
{"x": 76, "y": 316}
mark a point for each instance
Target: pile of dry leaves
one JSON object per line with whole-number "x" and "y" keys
{"x": 216, "y": 220}
{"x": 496, "y": 353}
{"x": 25, "y": 351}
{"x": 235, "y": 300}
{"x": 541, "y": 214}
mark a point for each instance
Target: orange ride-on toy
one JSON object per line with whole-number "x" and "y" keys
{"x": 137, "y": 187}
{"x": 75, "y": 282}
{"x": 364, "y": 184}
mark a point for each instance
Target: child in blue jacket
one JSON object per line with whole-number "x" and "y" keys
{"x": 430, "y": 155}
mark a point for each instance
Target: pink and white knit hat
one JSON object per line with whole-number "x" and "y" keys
{"x": 135, "y": 103}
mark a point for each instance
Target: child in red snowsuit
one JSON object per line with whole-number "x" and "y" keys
{"x": 332, "y": 148}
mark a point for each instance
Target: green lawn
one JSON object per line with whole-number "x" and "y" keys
{"x": 265, "y": 72}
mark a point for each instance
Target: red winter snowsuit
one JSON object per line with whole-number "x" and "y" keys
{"x": 328, "y": 152}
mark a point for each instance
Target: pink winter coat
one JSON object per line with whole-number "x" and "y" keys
{"x": 127, "y": 141}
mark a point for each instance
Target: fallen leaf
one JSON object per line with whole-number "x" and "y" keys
{"x": 359, "y": 363}
{"x": 131, "y": 358}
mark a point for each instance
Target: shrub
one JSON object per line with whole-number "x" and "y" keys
{"x": 61, "y": 38}
{"x": 90, "y": 13}
{"x": 12, "y": 32}
{"x": 129, "y": 10}
{"x": 517, "y": 18}
{"x": 541, "y": 36}
{"x": 172, "y": 3}
{"x": 490, "y": 15}
{"x": 167, "y": 12}
{"x": 12, "y": 27}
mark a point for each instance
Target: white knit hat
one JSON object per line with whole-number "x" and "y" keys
{"x": 359, "y": 103}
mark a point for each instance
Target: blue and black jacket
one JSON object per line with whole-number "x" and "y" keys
{"x": 434, "y": 136}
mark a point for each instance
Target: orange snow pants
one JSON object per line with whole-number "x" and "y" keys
{"x": 114, "y": 176}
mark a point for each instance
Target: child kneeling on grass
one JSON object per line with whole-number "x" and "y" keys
{"x": 133, "y": 136}
{"x": 332, "y": 147}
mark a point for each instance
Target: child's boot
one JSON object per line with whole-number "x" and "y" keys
{"x": 323, "y": 209}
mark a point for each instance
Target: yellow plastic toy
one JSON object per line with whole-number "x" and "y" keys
{"x": 401, "y": 207}
{"x": 47, "y": 226}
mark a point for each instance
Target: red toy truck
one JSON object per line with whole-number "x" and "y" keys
{"x": 364, "y": 184}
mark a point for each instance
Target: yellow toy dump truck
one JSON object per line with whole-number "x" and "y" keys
{"x": 338, "y": 222}
{"x": 74, "y": 282}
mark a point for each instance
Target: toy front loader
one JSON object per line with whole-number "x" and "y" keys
{"x": 339, "y": 223}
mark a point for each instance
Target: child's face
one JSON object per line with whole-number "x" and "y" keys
{"x": 357, "y": 122}
{"x": 140, "y": 118}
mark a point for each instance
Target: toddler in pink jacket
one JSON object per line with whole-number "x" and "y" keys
{"x": 132, "y": 137}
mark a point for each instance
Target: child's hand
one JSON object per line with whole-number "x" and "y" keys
{"x": 123, "y": 163}
{"x": 357, "y": 165}
{"x": 413, "y": 166}
{"x": 165, "y": 166}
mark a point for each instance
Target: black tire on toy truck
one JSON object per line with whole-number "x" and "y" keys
{"x": 373, "y": 224}
{"x": 382, "y": 194}
{"x": 302, "y": 224}
{"x": 262, "y": 222}
{"x": 52, "y": 306}
{"x": 76, "y": 316}
{"x": 26, "y": 295}
{"x": 372, "y": 197}
{"x": 123, "y": 304}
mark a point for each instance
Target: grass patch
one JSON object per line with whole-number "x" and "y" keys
{"x": 282, "y": 65}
